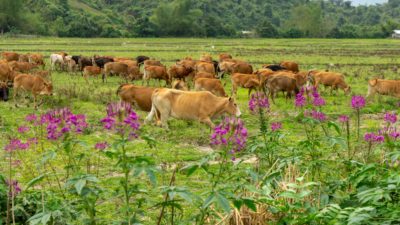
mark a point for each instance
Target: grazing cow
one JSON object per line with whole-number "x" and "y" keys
{"x": 129, "y": 62}
{"x": 202, "y": 106}
{"x": 23, "y": 58}
{"x": 224, "y": 56}
{"x": 141, "y": 58}
{"x": 212, "y": 85}
{"x": 138, "y": 96}
{"x": 101, "y": 61}
{"x": 231, "y": 67}
{"x": 91, "y": 71}
{"x": 115, "y": 68}
{"x": 120, "y": 59}
{"x": 179, "y": 72}
{"x": 249, "y": 81}
{"x": 292, "y": 66}
{"x": 134, "y": 73}
{"x": 57, "y": 59}
{"x": 300, "y": 79}
{"x": 330, "y": 79}
{"x": 10, "y": 56}
{"x": 83, "y": 62}
{"x": 156, "y": 72}
{"x": 4, "y": 91}
{"x": 38, "y": 59}
{"x": 46, "y": 74}
{"x": 383, "y": 87}
{"x": 204, "y": 75}
{"x": 23, "y": 67}
{"x": 274, "y": 67}
{"x": 206, "y": 58}
{"x": 34, "y": 84}
{"x": 179, "y": 85}
{"x": 188, "y": 63}
{"x": 282, "y": 83}
{"x": 71, "y": 64}
{"x": 205, "y": 67}
{"x": 76, "y": 58}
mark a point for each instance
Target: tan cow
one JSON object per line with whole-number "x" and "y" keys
{"x": 34, "y": 84}
{"x": 383, "y": 87}
{"x": 212, "y": 85}
{"x": 37, "y": 58}
{"x": 152, "y": 62}
{"x": 206, "y": 58}
{"x": 10, "y": 56}
{"x": 90, "y": 71}
{"x": 115, "y": 68}
{"x": 23, "y": 58}
{"x": 23, "y": 67}
{"x": 156, "y": 72}
{"x": 237, "y": 66}
{"x": 138, "y": 96}
{"x": 277, "y": 83}
{"x": 46, "y": 74}
{"x": 6, "y": 73}
{"x": 72, "y": 66}
{"x": 330, "y": 79}
{"x": 224, "y": 56}
{"x": 202, "y": 106}
{"x": 205, "y": 67}
{"x": 248, "y": 81}
{"x": 292, "y": 66}
{"x": 179, "y": 72}
{"x": 204, "y": 75}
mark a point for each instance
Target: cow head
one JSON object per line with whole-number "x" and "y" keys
{"x": 347, "y": 90}
{"x": 373, "y": 82}
{"x": 47, "y": 89}
{"x": 232, "y": 108}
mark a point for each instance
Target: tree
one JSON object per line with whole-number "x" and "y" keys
{"x": 10, "y": 15}
{"x": 266, "y": 29}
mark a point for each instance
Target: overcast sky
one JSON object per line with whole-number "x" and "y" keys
{"x": 363, "y": 2}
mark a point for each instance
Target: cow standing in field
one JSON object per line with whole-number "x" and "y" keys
{"x": 56, "y": 60}
{"x": 248, "y": 81}
{"x": 140, "y": 59}
{"x": 6, "y": 73}
{"x": 179, "y": 72}
{"x": 23, "y": 67}
{"x": 83, "y": 62}
{"x": 212, "y": 85}
{"x": 115, "y": 68}
{"x": 101, "y": 61}
{"x": 10, "y": 56}
{"x": 90, "y": 71}
{"x": 288, "y": 65}
{"x": 277, "y": 83}
{"x": 329, "y": 79}
{"x": 383, "y": 87}
{"x": 38, "y": 59}
{"x": 34, "y": 84}
{"x": 156, "y": 72}
{"x": 202, "y": 106}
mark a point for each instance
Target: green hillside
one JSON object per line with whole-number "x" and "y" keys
{"x": 202, "y": 18}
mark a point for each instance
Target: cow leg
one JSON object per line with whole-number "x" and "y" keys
{"x": 14, "y": 97}
{"x": 207, "y": 121}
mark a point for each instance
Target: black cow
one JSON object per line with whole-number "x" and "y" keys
{"x": 216, "y": 66}
{"x": 76, "y": 58}
{"x": 4, "y": 92}
{"x": 141, "y": 58}
{"x": 83, "y": 62}
{"x": 101, "y": 61}
{"x": 275, "y": 67}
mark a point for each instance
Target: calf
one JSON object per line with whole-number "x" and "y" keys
{"x": 89, "y": 71}
{"x": 202, "y": 106}
{"x": 43, "y": 73}
{"x": 34, "y": 84}
{"x": 205, "y": 67}
{"x": 101, "y": 61}
{"x": 72, "y": 67}
{"x": 156, "y": 72}
{"x": 249, "y": 81}
{"x": 6, "y": 73}
{"x": 38, "y": 59}
{"x": 292, "y": 66}
{"x": 383, "y": 87}
{"x": 23, "y": 67}
{"x": 212, "y": 85}
{"x": 10, "y": 56}
{"x": 83, "y": 62}
{"x": 332, "y": 80}
{"x": 204, "y": 75}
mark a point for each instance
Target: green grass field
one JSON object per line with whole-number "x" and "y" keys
{"x": 189, "y": 141}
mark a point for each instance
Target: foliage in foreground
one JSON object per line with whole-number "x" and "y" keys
{"x": 331, "y": 176}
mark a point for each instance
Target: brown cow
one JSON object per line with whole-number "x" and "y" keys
{"x": 237, "y": 66}
{"x": 384, "y": 87}
{"x": 292, "y": 66}
{"x": 206, "y": 58}
{"x": 138, "y": 96}
{"x": 122, "y": 59}
{"x": 300, "y": 79}
{"x": 330, "y": 79}
{"x": 89, "y": 71}
{"x": 205, "y": 67}
{"x": 115, "y": 68}
{"x": 283, "y": 83}
{"x": 46, "y": 74}
{"x": 152, "y": 62}
{"x": 10, "y": 56}
{"x": 224, "y": 56}
{"x": 134, "y": 73}
{"x": 37, "y": 58}
{"x": 179, "y": 85}
{"x": 249, "y": 81}
{"x": 6, "y": 73}
{"x": 23, "y": 58}
{"x": 23, "y": 67}
{"x": 34, "y": 84}
{"x": 179, "y": 72}
{"x": 156, "y": 72}
{"x": 212, "y": 85}
{"x": 202, "y": 106}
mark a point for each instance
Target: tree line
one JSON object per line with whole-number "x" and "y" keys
{"x": 201, "y": 18}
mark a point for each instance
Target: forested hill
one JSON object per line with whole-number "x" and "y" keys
{"x": 199, "y": 18}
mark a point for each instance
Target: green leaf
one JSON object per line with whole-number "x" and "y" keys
{"x": 35, "y": 180}
{"x": 250, "y": 204}
{"x": 223, "y": 202}
{"x": 46, "y": 218}
{"x": 334, "y": 125}
{"x": 79, "y": 186}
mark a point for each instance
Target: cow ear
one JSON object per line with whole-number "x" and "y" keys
{"x": 230, "y": 99}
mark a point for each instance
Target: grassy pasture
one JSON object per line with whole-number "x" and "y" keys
{"x": 359, "y": 60}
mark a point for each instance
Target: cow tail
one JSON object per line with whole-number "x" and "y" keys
{"x": 119, "y": 89}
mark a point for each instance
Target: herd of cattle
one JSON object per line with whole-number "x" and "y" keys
{"x": 209, "y": 99}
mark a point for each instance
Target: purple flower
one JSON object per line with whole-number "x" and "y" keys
{"x": 276, "y": 126}
{"x": 23, "y": 129}
{"x": 16, "y": 144}
{"x": 343, "y": 118}
{"x": 374, "y": 138}
{"x": 357, "y": 102}
{"x": 122, "y": 119}
{"x": 230, "y": 132}
{"x": 300, "y": 100}
{"x": 390, "y": 117}
{"x": 101, "y": 145}
{"x": 317, "y": 99}
{"x": 394, "y": 134}
{"x": 318, "y": 115}
{"x": 31, "y": 118}
{"x": 16, "y": 189}
{"x": 258, "y": 101}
